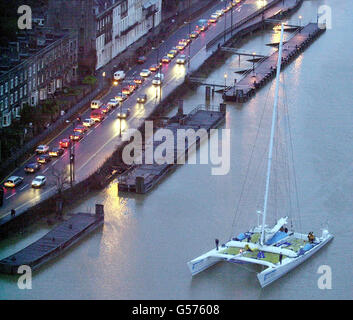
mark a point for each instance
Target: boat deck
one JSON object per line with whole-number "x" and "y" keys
{"x": 291, "y": 243}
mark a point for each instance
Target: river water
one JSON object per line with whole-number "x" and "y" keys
{"x": 142, "y": 250}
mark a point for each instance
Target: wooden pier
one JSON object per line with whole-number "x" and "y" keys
{"x": 266, "y": 68}
{"x": 55, "y": 242}
{"x": 140, "y": 178}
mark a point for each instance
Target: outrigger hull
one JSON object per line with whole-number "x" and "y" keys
{"x": 269, "y": 275}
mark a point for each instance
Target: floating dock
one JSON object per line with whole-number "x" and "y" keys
{"x": 266, "y": 68}
{"x": 55, "y": 242}
{"x": 140, "y": 178}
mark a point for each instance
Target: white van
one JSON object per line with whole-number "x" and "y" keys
{"x": 119, "y": 75}
{"x": 96, "y": 104}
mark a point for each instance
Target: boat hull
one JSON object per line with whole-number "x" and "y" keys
{"x": 269, "y": 275}
{"x": 202, "y": 263}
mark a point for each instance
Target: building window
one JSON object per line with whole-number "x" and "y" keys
{"x": 1, "y": 90}
{"x": 11, "y": 99}
{"x": 16, "y": 81}
{"x": 30, "y": 72}
{"x": 21, "y": 92}
{"x": 25, "y": 90}
{"x": 6, "y": 87}
{"x": 1, "y": 105}
{"x": 16, "y": 96}
{"x": 11, "y": 83}
{"x": 34, "y": 68}
{"x": 6, "y": 103}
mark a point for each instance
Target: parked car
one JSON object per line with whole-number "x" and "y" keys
{"x": 13, "y": 182}
{"x": 32, "y": 167}
{"x": 142, "y": 98}
{"x": 181, "y": 59}
{"x": 88, "y": 122}
{"x": 44, "y": 158}
{"x": 42, "y": 149}
{"x": 76, "y": 136}
{"x": 145, "y": 73}
{"x": 64, "y": 143}
{"x": 56, "y": 152}
{"x": 141, "y": 59}
{"x": 39, "y": 181}
{"x": 123, "y": 114}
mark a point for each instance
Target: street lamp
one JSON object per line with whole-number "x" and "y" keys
{"x": 300, "y": 21}
{"x": 253, "y": 61}
{"x": 225, "y": 80}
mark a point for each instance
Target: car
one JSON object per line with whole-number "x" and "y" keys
{"x": 97, "y": 115}
{"x": 166, "y": 59}
{"x": 88, "y": 122}
{"x": 142, "y": 98}
{"x": 123, "y": 114}
{"x": 105, "y": 108}
{"x": 120, "y": 97}
{"x": 139, "y": 80}
{"x": 80, "y": 128}
{"x": 181, "y": 59}
{"x": 172, "y": 53}
{"x": 32, "y": 167}
{"x": 126, "y": 91}
{"x": 145, "y": 73}
{"x": 219, "y": 13}
{"x": 44, "y": 158}
{"x": 76, "y": 136}
{"x": 141, "y": 59}
{"x": 213, "y": 18}
{"x": 180, "y": 47}
{"x": 158, "y": 79}
{"x": 202, "y": 25}
{"x": 64, "y": 143}
{"x": 154, "y": 67}
{"x": 38, "y": 181}
{"x": 194, "y": 34}
{"x": 42, "y": 149}
{"x": 113, "y": 103}
{"x": 56, "y": 152}
{"x": 13, "y": 182}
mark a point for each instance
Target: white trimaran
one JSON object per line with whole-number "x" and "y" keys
{"x": 277, "y": 249}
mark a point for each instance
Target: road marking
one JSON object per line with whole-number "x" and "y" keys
{"x": 44, "y": 171}
{"x": 88, "y": 133}
{"x": 24, "y": 186}
{"x": 55, "y": 161}
{"x": 11, "y": 196}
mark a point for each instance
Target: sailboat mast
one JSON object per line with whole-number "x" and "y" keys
{"x": 274, "y": 117}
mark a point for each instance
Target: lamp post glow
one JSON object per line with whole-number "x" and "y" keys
{"x": 253, "y": 61}
{"x": 300, "y": 21}
{"x": 225, "y": 80}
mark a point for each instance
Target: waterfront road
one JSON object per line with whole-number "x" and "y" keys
{"x": 101, "y": 140}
